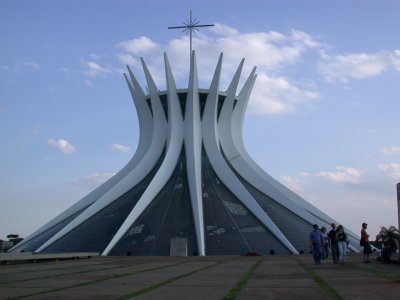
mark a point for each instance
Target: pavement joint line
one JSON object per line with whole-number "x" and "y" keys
{"x": 16, "y": 271}
{"x": 332, "y": 293}
{"x": 165, "y": 282}
{"x": 232, "y": 294}
{"x": 393, "y": 277}
{"x": 85, "y": 283}
{"x": 71, "y": 273}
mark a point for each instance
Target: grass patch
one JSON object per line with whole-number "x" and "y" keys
{"x": 321, "y": 283}
{"x": 165, "y": 282}
{"x": 243, "y": 280}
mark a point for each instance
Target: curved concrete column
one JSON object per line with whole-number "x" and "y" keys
{"x": 137, "y": 173}
{"x": 174, "y": 146}
{"x": 193, "y": 142}
{"x": 224, "y": 173}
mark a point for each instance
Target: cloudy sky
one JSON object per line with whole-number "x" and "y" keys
{"x": 323, "y": 116}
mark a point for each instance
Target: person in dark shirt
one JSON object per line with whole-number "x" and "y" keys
{"x": 333, "y": 244}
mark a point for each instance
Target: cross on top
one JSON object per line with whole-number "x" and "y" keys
{"x": 190, "y": 27}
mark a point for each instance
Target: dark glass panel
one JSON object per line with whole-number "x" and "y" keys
{"x": 168, "y": 216}
{"x": 295, "y": 228}
{"x": 230, "y": 228}
{"x": 94, "y": 234}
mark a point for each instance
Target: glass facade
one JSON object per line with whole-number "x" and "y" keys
{"x": 295, "y": 228}
{"x": 94, "y": 234}
{"x": 230, "y": 228}
{"x": 168, "y": 216}
{"x": 292, "y": 226}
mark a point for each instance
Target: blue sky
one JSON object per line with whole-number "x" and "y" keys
{"x": 322, "y": 119}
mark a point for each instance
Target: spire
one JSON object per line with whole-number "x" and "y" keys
{"x": 191, "y": 27}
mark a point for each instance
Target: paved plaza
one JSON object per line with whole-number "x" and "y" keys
{"x": 211, "y": 277}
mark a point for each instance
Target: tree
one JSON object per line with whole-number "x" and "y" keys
{"x": 14, "y": 238}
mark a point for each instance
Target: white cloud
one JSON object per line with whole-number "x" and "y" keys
{"x": 273, "y": 95}
{"x": 30, "y": 64}
{"x": 373, "y": 197}
{"x": 342, "y": 68}
{"x": 127, "y": 59}
{"x": 139, "y": 46}
{"x": 61, "y": 145}
{"x": 269, "y": 51}
{"x": 21, "y": 66}
{"x": 224, "y": 30}
{"x": 392, "y": 170}
{"x": 95, "y": 56}
{"x": 292, "y": 183}
{"x": 391, "y": 150}
{"x": 120, "y": 148}
{"x": 342, "y": 175}
{"x": 92, "y": 180}
{"x": 396, "y": 59}
{"x": 306, "y": 39}
{"x": 93, "y": 69}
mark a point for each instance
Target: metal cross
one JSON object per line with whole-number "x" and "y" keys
{"x": 190, "y": 27}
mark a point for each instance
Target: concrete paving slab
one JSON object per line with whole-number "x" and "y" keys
{"x": 278, "y": 277}
{"x": 282, "y": 294}
{"x": 357, "y": 280}
{"x": 212, "y": 283}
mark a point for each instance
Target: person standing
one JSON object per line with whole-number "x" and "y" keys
{"x": 333, "y": 244}
{"x": 364, "y": 241}
{"x": 316, "y": 240}
{"x": 341, "y": 238}
{"x": 325, "y": 249}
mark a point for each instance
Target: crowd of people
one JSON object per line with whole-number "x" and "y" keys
{"x": 336, "y": 240}
{"x": 321, "y": 241}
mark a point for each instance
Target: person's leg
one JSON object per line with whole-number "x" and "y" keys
{"x": 335, "y": 253}
{"x": 341, "y": 251}
{"x": 315, "y": 253}
{"x": 365, "y": 257}
{"x": 344, "y": 252}
{"x": 369, "y": 251}
{"x": 319, "y": 253}
{"x": 326, "y": 252}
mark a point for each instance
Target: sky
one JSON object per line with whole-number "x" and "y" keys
{"x": 323, "y": 117}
